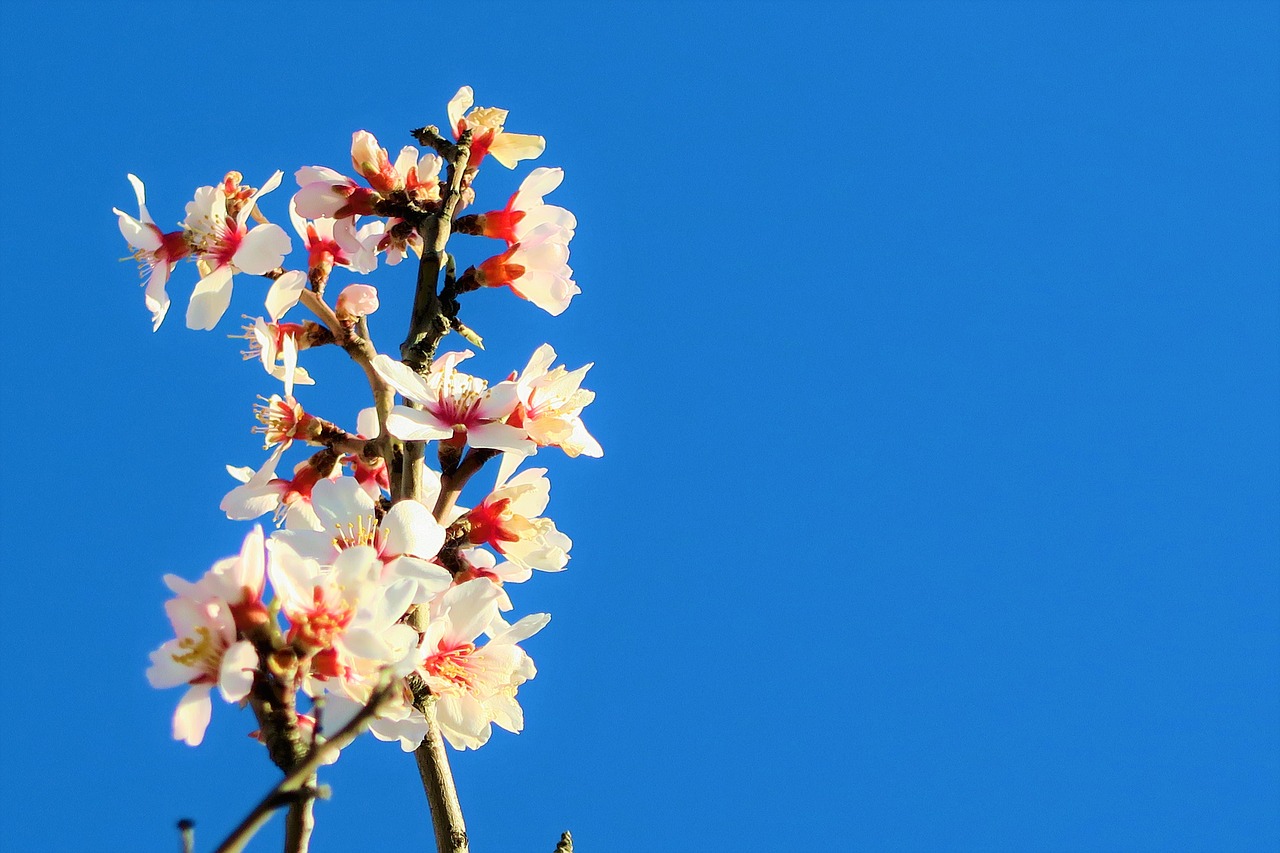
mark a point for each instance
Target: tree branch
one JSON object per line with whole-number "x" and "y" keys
{"x": 428, "y": 323}
{"x": 437, "y": 782}
{"x": 297, "y": 785}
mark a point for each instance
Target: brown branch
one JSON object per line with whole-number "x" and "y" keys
{"x": 297, "y": 785}
{"x": 437, "y": 782}
{"x": 451, "y": 485}
{"x": 428, "y": 323}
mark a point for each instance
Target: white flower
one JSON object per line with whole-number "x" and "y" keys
{"x": 452, "y": 403}
{"x": 487, "y": 133}
{"x": 404, "y": 541}
{"x": 204, "y": 654}
{"x": 227, "y": 246}
{"x": 508, "y": 521}
{"x": 476, "y": 686}
{"x": 158, "y": 251}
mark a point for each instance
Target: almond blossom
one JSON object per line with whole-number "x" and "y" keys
{"x": 276, "y": 345}
{"x": 414, "y": 174}
{"x": 525, "y": 210}
{"x": 204, "y": 654}
{"x": 226, "y": 246}
{"x": 344, "y": 618}
{"x": 157, "y": 250}
{"x": 404, "y": 540}
{"x": 487, "y": 133}
{"x": 536, "y": 269}
{"x": 262, "y": 491}
{"x": 551, "y": 404}
{"x": 509, "y": 521}
{"x": 476, "y": 686}
{"x": 324, "y": 193}
{"x": 330, "y": 242}
{"x": 453, "y": 403}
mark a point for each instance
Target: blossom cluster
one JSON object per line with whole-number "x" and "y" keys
{"x": 362, "y": 578}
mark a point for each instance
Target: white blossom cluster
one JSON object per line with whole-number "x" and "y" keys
{"x": 361, "y": 580}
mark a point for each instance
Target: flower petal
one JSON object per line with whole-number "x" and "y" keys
{"x": 284, "y": 293}
{"x": 210, "y": 299}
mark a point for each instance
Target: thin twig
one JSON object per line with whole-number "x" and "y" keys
{"x": 566, "y": 843}
{"x": 296, "y": 786}
{"x": 442, "y": 794}
{"x": 187, "y": 827}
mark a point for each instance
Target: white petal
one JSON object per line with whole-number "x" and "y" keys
{"x": 271, "y": 184}
{"x": 499, "y": 437}
{"x": 141, "y": 193}
{"x": 510, "y": 148}
{"x": 192, "y": 717}
{"x": 539, "y": 182}
{"x": 210, "y": 299}
{"x": 235, "y": 674}
{"x": 139, "y": 235}
{"x": 340, "y": 501}
{"x": 284, "y": 293}
{"x": 155, "y": 297}
{"x": 400, "y": 377}
{"x": 413, "y": 425}
{"x": 412, "y": 529}
{"x": 458, "y": 106}
{"x": 367, "y": 422}
{"x": 262, "y": 249}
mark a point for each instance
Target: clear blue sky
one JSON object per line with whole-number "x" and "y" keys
{"x": 939, "y": 383}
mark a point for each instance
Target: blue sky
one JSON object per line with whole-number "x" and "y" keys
{"x": 938, "y": 378}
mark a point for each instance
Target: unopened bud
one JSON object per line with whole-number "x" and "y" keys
{"x": 357, "y": 300}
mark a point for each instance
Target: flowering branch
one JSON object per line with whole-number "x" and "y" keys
{"x": 298, "y": 784}
{"x": 373, "y": 599}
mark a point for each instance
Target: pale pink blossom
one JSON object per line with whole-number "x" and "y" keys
{"x": 344, "y": 617}
{"x": 454, "y": 404}
{"x": 476, "y": 686}
{"x": 337, "y": 242}
{"x": 238, "y": 581}
{"x": 204, "y": 653}
{"x": 404, "y": 540}
{"x": 227, "y": 246}
{"x": 526, "y": 211}
{"x": 156, "y": 250}
{"x": 551, "y": 404}
{"x": 536, "y": 269}
{"x": 324, "y": 193}
{"x": 276, "y": 345}
{"x": 509, "y": 521}
{"x": 262, "y": 491}
{"x": 357, "y": 300}
{"x": 487, "y": 133}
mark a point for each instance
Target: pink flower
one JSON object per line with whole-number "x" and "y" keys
{"x": 357, "y": 300}
{"x": 487, "y": 134}
{"x": 476, "y": 686}
{"x": 454, "y": 405}
{"x": 551, "y": 404}
{"x": 508, "y": 521}
{"x": 324, "y": 193}
{"x": 205, "y": 653}
{"x": 526, "y": 211}
{"x": 227, "y": 246}
{"x": 157, "y": 250}
{"x": 536, "y": 269}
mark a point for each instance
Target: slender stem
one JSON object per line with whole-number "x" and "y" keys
{"x": 442, "y": 794}
{"x": 300, "y": 821}
{"x": 297, "y": 785}
{"x": 451, "y": 485}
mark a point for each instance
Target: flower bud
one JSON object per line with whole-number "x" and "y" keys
{"x": 357, "y": 300}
